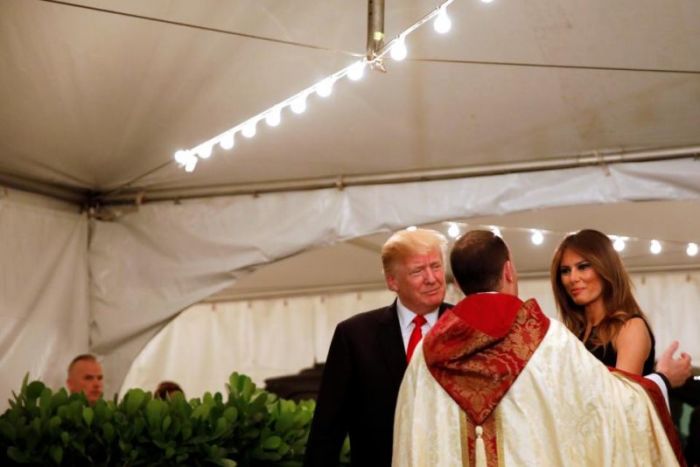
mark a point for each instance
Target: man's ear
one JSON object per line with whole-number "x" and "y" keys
{"x": 508, "y": 275}
{"x": 391, "y": 282}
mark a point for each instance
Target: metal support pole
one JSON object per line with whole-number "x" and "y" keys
{"x": 375, "y": 27}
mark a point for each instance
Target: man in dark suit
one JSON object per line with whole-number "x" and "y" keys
{"x": 368, "y": 354}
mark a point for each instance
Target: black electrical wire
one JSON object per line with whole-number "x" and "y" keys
{"x": 198, "y": 27}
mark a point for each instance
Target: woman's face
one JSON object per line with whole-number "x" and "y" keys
{"x": 581, "y": 281}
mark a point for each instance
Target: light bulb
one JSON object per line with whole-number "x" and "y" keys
{"x": 191, "y": 164}
{"x": 496, "y": 231}
{"x": 356, "y": 71}
{"x": 453, "y": 230}
{"x": 655, "y": 247}
{"x": 227, "y": 141}
{"x": 298, "y": 105}
{"x": 619, "y": 244}
{"x": 205, "y": 151}
{"x": 249, "y": 129}
{"x": 442, "y": 23}
{"x": 325, "y": 87}
{"x": 537, "y": 238}
{"x": 692, "y": 249}
{"x": 399, "y": 50}
{"x": 182, "y": 156}
{"x": 274, "y": 117}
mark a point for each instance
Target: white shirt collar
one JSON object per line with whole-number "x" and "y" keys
{"x": 406, "y": 316}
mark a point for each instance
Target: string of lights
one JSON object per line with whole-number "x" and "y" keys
{"x": 537, "y": 237}
{"x": 297, "y": 103}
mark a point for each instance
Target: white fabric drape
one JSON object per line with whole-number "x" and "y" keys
{"x": 267, "y": 338}
{"x": 261, "y": 338}
{"x": 44, "y": 315}
{"x": 150, "y": 264}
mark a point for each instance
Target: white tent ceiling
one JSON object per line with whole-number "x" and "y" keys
{"x": 95, "y": 98}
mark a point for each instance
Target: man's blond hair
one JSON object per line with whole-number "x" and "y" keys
{"x": 412, "y": 242}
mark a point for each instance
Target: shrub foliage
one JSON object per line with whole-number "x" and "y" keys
{"x": 246, "y": 427}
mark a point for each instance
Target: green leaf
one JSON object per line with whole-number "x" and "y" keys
{"x": 23, "y": 388}
{"x": 138, "y": 426}
{"x": 108, "y": 432}
{"x": 63, "y": 411}
{"x": 273, "y": 442}
{"x": 102, "y": 411}
{"x": 125, "y": 447}
{"x": 134, "y": 399}
{"x": 34, "y": 389}
{"x": 54, "y": 424}
{"x": 284, "y": 422}
{"x": 78, "y": 445}
{"x": 201, "y": 412}
{"x": 186, "y": 431}
{"x": 167, "y": 421}
{"x": 231, "y": 414}
{"x": 260, "y": 400}
{"x": 221, "y": 426}
{"x": 88, "y": 415}
{"x": 59, "y": 399}
{"x": 56, "y": 453}
{"x": 36, "y": 426}
{"x": 45, "y": 402}
{"x": 227, "y": 463}
{"x": 153, "y": 413}
{"x": 17, "y": 455}
{"x": 7, "y": 430}
{"x": 247, "y": 389}
{"x": 75, "y": 409}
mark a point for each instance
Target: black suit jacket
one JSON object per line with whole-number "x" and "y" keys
{"x": 365, "y": 365}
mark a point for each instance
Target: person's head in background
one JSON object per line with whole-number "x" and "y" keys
{"x": 85, "y": 375}
{"x": 414, "y": 267}
{"x": 481, "y": 262}
{"x": 166, "y": 389}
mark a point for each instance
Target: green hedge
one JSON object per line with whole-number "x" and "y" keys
{"x": 247, "y": 427}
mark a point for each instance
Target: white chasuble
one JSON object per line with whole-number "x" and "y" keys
{"x": 565, "y": 408}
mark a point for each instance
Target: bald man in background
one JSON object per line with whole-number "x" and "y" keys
{"x": 85, "y": 375}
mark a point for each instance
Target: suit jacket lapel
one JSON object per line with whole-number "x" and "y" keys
{"x": 443, "y": 308}
{"x": 391, "y": 343}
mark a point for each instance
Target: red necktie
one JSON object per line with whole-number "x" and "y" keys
{"x": 416, "y": 335}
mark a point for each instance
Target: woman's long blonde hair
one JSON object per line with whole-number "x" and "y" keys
{"x": 620, "y": 305}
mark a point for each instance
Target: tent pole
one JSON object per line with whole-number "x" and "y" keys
{"x": 375, "y": 28}
{"x": 581, "y": 160}
{"x": 71, "y": 195}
